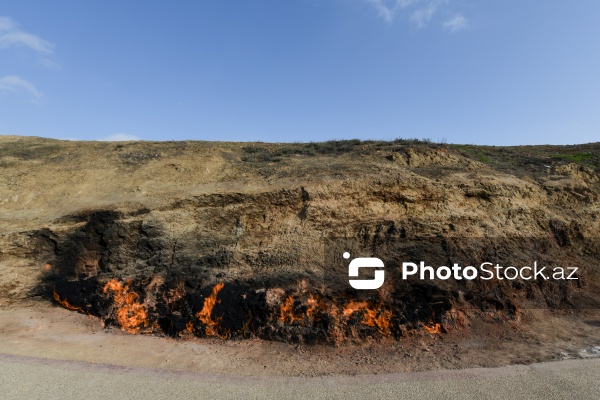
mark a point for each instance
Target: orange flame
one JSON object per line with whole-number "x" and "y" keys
{"x": 189, "y": 326}
{"x": 204, "y": 315}
{"x": 433, "y": 328}
{"x": 381, "y": 321}
{"x": 246, "y": 325}
{"x": 303, "y": 308}
{"x": 131, "y": 314}
{"x": 286, "y": 311}
{"x": 353, "y": 306}
{"x": 312, "y": 304}
{"x": 375, "y": 318}
{"x": 66, "y": 304}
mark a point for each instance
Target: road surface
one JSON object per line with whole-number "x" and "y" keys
{"x": 34, "y": 378}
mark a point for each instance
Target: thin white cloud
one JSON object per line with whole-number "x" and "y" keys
{"x": 422, "y": 15}
{"x": 418, "y": 12}
{"x": 388, "y": 9}
{"x": 119, "y": 137}
{"x": 12, "y": 36}
{"x": 7, "y": 24}
{"x": 46, "y": 62}
{"x": 457, "y": 23}
{"x": 16, "y": 84}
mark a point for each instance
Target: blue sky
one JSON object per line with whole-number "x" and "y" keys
{"x": 472, "y": 71}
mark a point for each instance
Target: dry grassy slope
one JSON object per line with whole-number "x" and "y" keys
{"x": 271, "y": 203}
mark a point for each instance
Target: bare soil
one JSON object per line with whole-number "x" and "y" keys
{"x": 45, "y": 331}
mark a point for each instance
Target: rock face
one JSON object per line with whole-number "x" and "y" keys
{"x": 241, "y": 240}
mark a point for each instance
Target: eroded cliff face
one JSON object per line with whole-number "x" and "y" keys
{"x": 238, "y": 240}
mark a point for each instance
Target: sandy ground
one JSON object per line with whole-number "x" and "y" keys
{"x": 49, "y": 332}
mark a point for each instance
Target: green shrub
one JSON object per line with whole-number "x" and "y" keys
{"x": 575, "y": 158}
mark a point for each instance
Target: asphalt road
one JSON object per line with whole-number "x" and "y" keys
{"x": 33, "y": 378}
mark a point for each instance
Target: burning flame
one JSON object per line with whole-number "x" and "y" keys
{"x": 381, "y": 321}
{"x": 336, "y": 318}
{"x": 131, "y": 314}
{"x": 286, "y": 311}
{"x": 246, "y": 326}
{"x": 204, "y": 315}
{"x": 66, "y": 304}
{"x": 371, "y": 317}
{"x": 312, "y": 304}
{"x": 352, "y": 307}
{"x": 433, "y": 328}
{"x": 189, "y": 326}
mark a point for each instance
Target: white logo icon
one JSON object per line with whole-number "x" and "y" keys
{"x": 365, "y": 262}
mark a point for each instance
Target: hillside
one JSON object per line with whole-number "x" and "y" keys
{"x": 146, "y": 235}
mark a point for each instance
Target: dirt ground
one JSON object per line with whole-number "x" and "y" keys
{"x": 45, "y": 331}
